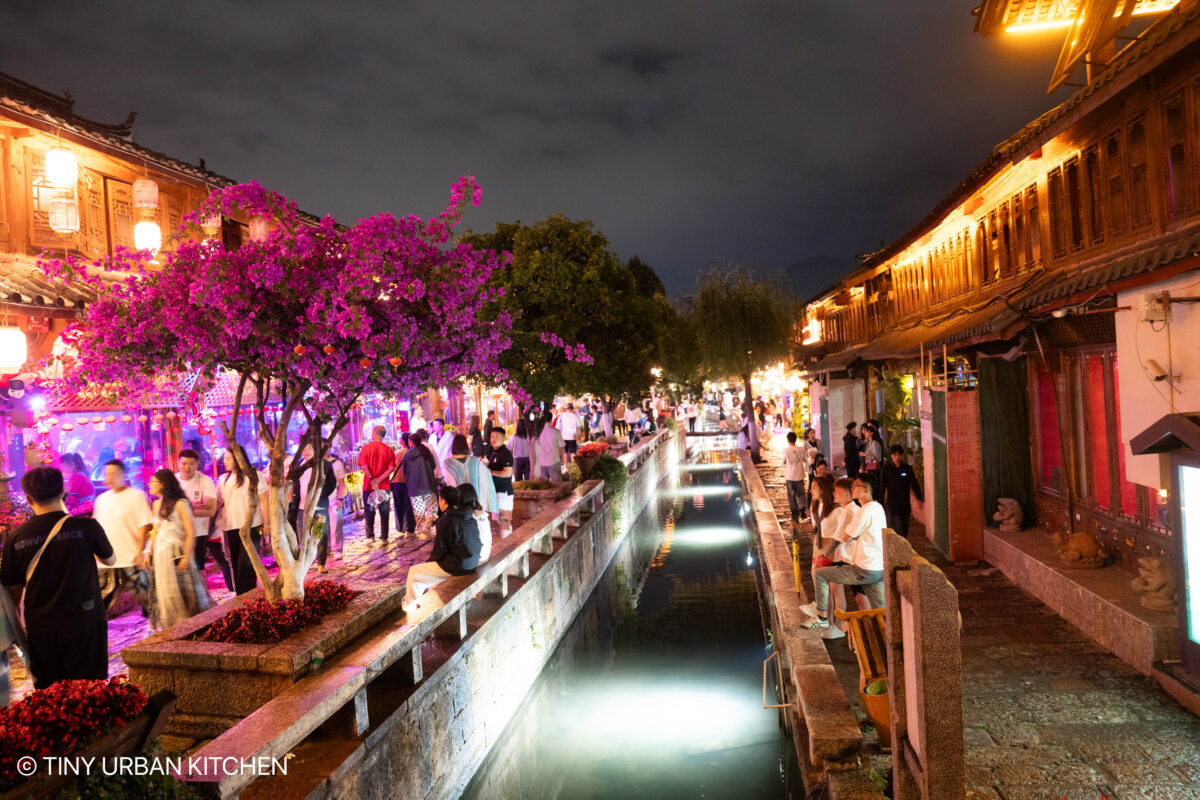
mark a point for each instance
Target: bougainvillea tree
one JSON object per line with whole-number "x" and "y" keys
{"x": 314, "y": 313}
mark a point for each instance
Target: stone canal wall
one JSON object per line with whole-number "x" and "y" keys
{"x": 412, "y": 708}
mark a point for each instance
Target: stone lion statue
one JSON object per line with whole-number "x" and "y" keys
{"x": 1010, "y": 516}
{"x": 1156, "y": 583}
{"x": 1080, "y": 550}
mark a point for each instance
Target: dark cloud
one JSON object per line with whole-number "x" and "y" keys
{"x": 769, "y": 133}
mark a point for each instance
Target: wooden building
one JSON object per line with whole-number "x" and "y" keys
{"x": 1002, "y": 305}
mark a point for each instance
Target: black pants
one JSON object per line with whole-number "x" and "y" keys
{"x": 217, "y": 551}
{"x": 383, "y": 520}
{"x": 68, "y": 650}
{"x": 691, "y": 424}
{"x": 244, "y": 578}
{"x": 900, "y": 517}
{"x": 795, "y": 495}
{"x": 851, "y": 469}
{"x": 406, "y": 520}
{"x": 521, "y": 468}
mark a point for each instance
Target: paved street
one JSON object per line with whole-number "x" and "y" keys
{"x": 1047, "y": 713}
{"x": 358, "y": 560}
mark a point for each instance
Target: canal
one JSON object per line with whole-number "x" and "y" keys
{"x": 656, "y": 689}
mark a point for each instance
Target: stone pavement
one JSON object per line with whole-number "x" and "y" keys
{"x": 1047, "y": 713}
{"x": 357, "y": 560}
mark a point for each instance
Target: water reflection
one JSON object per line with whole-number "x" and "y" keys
{"x": 655, "y": 691}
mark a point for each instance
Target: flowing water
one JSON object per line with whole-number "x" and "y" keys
{"x": 655, "y": 691}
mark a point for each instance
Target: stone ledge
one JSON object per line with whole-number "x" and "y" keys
{"x": 1099, "y": 602}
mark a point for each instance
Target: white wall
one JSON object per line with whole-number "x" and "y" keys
{"x": 1144, "y": 401}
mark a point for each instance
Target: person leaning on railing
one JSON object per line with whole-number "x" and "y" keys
{"x": 456, "y": 547}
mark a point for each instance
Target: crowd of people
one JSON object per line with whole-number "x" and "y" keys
{"x": 849, "y": 514}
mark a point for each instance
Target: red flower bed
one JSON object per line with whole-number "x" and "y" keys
{"x": 62, "y": 719}
{"x": 592, "y": 449}
{"x": 264, "y": 622}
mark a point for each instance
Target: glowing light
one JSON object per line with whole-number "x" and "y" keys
{"x": 147, "y": 236}
{"x": 38, "y": 403}
{"x": 145, "y": 193}
{"x": 14, "y": 350}
{"x": 259, "y": 229}
{"x": 64, "y": 215}
{"x": 1162, "y": 493}
{"x": 706, "y": 537}
{"x": 1034, "y": 27}
{"x": 706, "y": 467}
{"x": 62, "y": 170}
{"x": 700, "y": 491}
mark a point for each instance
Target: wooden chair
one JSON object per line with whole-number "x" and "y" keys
{"x": 865, "y": 629}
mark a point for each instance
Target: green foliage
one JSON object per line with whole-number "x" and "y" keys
{"x": 798, "y": 422}
{"x": 534, "y": 485}
{"x": 614, "y": 474}
{"x": 574, "y": 473}
{"x": 742, "y": 322}
{"x": 564, "y": 279}
{"x": 897, "y": 399}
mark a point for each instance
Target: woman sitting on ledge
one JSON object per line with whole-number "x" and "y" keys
{"x": 456, "y": 547}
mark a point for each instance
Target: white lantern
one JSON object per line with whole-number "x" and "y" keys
{"x": 258, "y": 229}
{"x": 13, "y": 350}
{"x": 147, "y": 236}
{"x": 145, "y": 193}
{"x": 211, "y": 225}
{"x": 64, "y": 215}
{"x": 62, "y": 169}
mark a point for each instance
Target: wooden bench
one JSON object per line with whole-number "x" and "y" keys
{"x": 866, "y": 632}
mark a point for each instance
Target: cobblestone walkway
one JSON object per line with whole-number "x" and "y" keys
{"x": 1047, "y": 713}
{"x": 358, "y": 560}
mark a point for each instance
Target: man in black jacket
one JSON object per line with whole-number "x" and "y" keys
{"x": 898, "y": 479}
{"x": 456, "y": 548}
{"x": 850, "y": 447}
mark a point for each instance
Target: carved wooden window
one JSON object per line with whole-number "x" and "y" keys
{"x": 1175, "y": 139}
{"x": 1007, "y": 259}
{"x": 1093, "y": 194}
{"x": 1114, "y": 165}
{"x": 995, "y": 245}
{"x": 1074, "y": 199}
{"x": 5, "y": 150}
{"x": 1033, "y": 227}
{"x": 120, "y": 213}
{"x": 41, "y": 193}
{"x": 1059, "y": 228}
{"x": 93, "y": 219}
{"x": 981, "y": 251}
{"x": 1139, "y": 189}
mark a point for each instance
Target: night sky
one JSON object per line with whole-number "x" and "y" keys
{"x": 770, "y": 134}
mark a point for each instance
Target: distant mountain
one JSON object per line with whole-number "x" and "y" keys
{"x": 808, "y": 276}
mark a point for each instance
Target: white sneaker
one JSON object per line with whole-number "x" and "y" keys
{"x": 809, "y": 608}
{"x": 815, "y": 623}
{"x": 833, "y": 632}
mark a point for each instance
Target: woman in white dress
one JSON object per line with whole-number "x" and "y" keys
{"x": 179, "y": 589}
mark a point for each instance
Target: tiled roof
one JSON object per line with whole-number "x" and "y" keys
{"x": 1175, "y": 29}
{"x": 58, "y": 110}
{"x": 22, "y": 282}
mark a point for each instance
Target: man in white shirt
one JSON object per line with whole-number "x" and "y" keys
{"x": 201, "y": 492}
{"x": 124, "y": 513}
{"x": 793, "y": 476}
{"x": 865, "y": 568}
{"x": 837, "y": 549}
{"x": 439, "y": 442}
{"x": 417, "y": 423}
{"x": 549, "y": 451}
{"x": 568, "y": 426}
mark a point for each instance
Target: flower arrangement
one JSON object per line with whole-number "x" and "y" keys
{"x": 62, "y": 719}
{"x": 593, "y": 449}
{"x": 354, "y": 482}
{"x": 264, "y": 622}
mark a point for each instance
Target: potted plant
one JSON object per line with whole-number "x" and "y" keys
{"x": 587, "y": 455}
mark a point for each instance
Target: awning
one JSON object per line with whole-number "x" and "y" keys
{"x": 839, "y": 360}
{"x": 994, "y": 320}
{"x": 1172, "y": 432}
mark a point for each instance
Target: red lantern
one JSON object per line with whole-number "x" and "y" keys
{"x": 68, "y": 426}
{"x": 126, "y": 418}
{"x": 328, "y": 349}
{"x": 171, "y": 415}
{"x": 110, "y": 418}
{"x": 299, "y": 349}
{"x": 52, "y": 421}
{"x": 143, "y": 418}
{"x": 96, "y": 420}
{"x": 395, "y": 361}
{"x": 364, "y": 363}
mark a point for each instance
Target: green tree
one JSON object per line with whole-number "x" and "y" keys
{"x": 743, "y": 323}
{"x": 564, "y": 279}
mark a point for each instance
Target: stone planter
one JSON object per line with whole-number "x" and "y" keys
{"x": 219, "y": 684}
{"x": 528, "y": 503}
{"x": 586, "y": 465}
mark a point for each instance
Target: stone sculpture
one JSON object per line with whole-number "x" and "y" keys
{"x": 1156, "y": 583}
{"x": 1010, "y": 516}
{"x": 1080, "y": 550}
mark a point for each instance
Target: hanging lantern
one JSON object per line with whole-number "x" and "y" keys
{"x": 211, "y": 225}
{"x": 395, "y": 361}
{"x": 96, "y": 420}
{"x": 171, "y": 415}
{"x": 299, "y": 349}
{"x": 147, "y": 236}
{"x": 68, "y": 426}
{"x": 259, "y": 229}
{"x": 145, "y": 193}
{"x": 53, "y": 421}
{"x": 126, "y": 418}
{"x": 364, "y": 363}
{"x": 142, "y": 418}
{"x": 81, "y": 421}
{"x": 64, "y": 215}
{"x": 14, "y": 350}
{"x": 110, "y": 419}
{"x": 328, "y": 349}
{"x": 62, "y": 170}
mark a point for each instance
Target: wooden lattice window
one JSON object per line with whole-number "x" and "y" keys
{"x": 1033, "y": 228}
{"x": 1093, "y": 194}
{"x": 1139, "y": 189}
{"x": 1115, "y": 183}
{"x": 120, "y": 213}
{"x": 1179, "y": 172}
